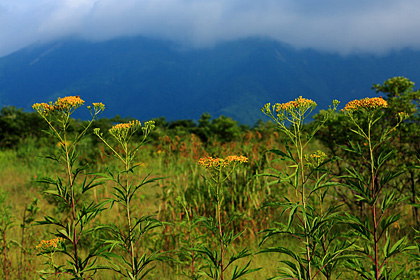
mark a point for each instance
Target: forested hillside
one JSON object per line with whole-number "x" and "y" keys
{"x": 144, "y": 78}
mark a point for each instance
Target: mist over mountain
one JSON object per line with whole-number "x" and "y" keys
{"x": 146, "y": 78}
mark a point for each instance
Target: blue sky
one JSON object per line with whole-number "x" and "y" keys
{"x": 357, "y": 26}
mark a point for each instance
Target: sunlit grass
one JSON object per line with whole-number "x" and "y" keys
{"x": 182, "y": 188}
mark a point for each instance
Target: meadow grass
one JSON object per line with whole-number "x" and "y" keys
{"x": 185, "y": 202}
{"x": 19, "y": 170}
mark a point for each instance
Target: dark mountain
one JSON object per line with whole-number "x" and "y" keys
{"x": 145, "y": 78}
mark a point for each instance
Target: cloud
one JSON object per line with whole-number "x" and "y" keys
{"x": 374, "y": 26}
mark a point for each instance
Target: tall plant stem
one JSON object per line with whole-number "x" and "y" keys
{"x": 73, "y": 202}
{"x": 375, "y": 231}
{"x": 128, "y": 211}
{"x": 130, "y": 236}
{"x": 373, "y": 191}
{"x": 299, "y": 147}
{"x": 218, "y": 214}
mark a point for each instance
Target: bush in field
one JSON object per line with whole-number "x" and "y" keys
{"x": 401, "y": 97}
{"x": 16, "y": 126}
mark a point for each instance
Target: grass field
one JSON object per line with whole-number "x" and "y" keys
{"x": 274, "y": 202}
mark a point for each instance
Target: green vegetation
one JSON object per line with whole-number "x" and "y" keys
{"x": 334, "y": 198}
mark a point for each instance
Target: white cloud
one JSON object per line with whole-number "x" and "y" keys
{"x": 330, "y": 25}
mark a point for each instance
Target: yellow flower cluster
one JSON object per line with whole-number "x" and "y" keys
{"x": 318, "y": 155}
{"x": 49, "y": 244}
{"x": 68, "y": 102}
{"x": 124, "y": 127}
{"x": 99, "y": 105}
{"x": 62, "y": 104}
{"x": 210, "y": 162}
{"x": 123, "y": 131}
{"x": 298, "y": 103}
{"x": 43, "y": 108}
{"x": 403, "y": 116}
{"x": 316, "y": 159}
{"x": 366, "y": 103}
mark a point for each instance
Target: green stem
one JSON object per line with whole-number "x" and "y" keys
{"x": 73, "y": 203}
{"x": 303, "y": 198}
{"x": 128, "y": 211}
{"x": 218, "y": 214}
{"x": 130, "y": 234}
{"x": 374, "y": 194}
{"x": 112, "y": 149}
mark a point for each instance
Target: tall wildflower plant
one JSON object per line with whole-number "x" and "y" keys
{"x": 220, "y": 226}
{"x": 124, "y": 244}
{"x": 68, "y": 189}
{"x": 310, "y": 222}
{"x": 47, "y": 249}
{"x": 376, "y": 242}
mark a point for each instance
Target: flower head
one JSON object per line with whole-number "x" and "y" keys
{"x": 148, "y": 126}
{"x": 298, "y": 103}
{"x": 99, "y": 105}
{"x": 366, "y": 104}
{"x": 239, "y": 159}
{"x": 123, "y": 131}
{"x": 123, "y": 127}
{"x": 217, "y": 163}
{"x": 402, "y": 116}
{"x": 47, "y": 245}
{"x": 65, "y": 105}
{"x": 68, "y": 103}
{"x": 316, "y": 159}
{"x": 43, "y": 108}
{"x": 209, "y": 162}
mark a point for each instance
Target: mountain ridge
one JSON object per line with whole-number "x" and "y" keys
{"x": 148, "y": 78}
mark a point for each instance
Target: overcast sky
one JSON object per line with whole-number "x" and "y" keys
{"x": 344, "y": 26}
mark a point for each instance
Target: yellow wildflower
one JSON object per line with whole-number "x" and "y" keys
{"x": 316, "y": 159}
{"x": 43, "y": 108}
{"x": 49, "y": 244}
{"x": 98, "y": 104}
{"x": 68, "y": 102}
{"x": 366, "y": 103}
{"x": 122, "y": 127}
{"x": 298, "y": 103}
{"x": 210, "y": 162}
{"x": 123, "y": 131}
{"x": 240, "y": 159}
{"x": 403, "y": 116}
